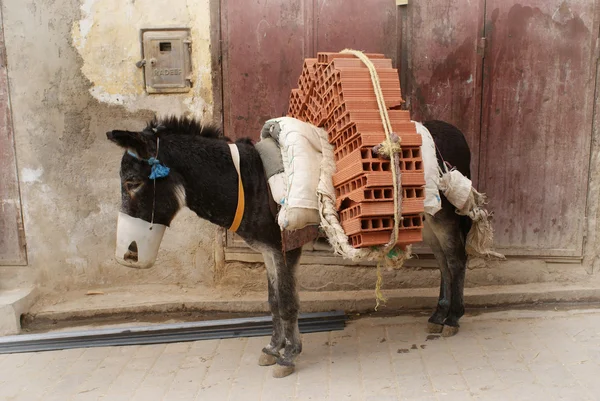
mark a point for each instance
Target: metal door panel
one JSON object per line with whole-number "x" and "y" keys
{"x": 537, "y": 122}
{"x": 264, "y": 44}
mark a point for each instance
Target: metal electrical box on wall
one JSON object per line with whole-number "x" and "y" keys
{"x": 166, "y": 59}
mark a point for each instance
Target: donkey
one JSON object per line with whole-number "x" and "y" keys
{"x": 198, "y": 172}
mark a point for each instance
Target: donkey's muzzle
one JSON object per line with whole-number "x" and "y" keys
{"x": 137, "y": 241}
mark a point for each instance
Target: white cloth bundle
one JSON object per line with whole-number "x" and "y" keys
{"x": 301, "y": 155}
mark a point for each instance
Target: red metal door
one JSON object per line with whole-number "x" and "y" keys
{"x": 441, "y": 65}
{"x": 12, "y": 239}
{"x": 264, "y": 46}
{"x": 433, "y": 44}
{"x": 368, "y": 26}
{"x": 537, "y": 122}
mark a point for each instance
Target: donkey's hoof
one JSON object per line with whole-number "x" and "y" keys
{"x": 434, "y": 328}
{"x": 449, "y": 331}
{"x": 280, "y": 371}
{"x": 266, "y": 359}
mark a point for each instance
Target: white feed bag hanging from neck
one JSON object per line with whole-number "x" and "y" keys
{"x": 137, "y": 241}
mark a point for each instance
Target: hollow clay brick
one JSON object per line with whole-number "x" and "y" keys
{"x": 319, "y": 69}
{"x": 308, "y": 68}
{"x": 384, "y": 74}
{"x": 373, "y": 224}
{"x": 409, "y": 232}
{"x": 364, "y": 90}
{"x": 405, "y": 131}
{"x": 332, "y": 98}
{"x": 358, "y": 104}
{"x": 385, "y": 208}
{"x": 412, "y": 201}
{"x": 307, "y": 79}
{"x": 391, "y": 98}
{"x": 377, "y": 178}
{"x": 332, "y": 68}
{"x": 409, "y": 159}
{"x": 387, "y": 84}
{"x": 373, "y": 114}
{"x": 399, "y": 124}
{"x": 378, "y": 238}
{"x": 327, "y": 57}
{"x": 363, "y": 124}
{"x": 331, "y": 76}
{"x": 367, "y": 224}
{"x": 349, "y": 140}
{"x": 394, "y": 115}
{"x": 366, "y": 83}
{"x": 367, "y": 209}
{"x": 337, "y": 63}
{"x": 357, "y": 74}
{"x": 357, "y": 157}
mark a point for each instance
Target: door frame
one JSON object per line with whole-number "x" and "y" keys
{"x": 13, "y": 229}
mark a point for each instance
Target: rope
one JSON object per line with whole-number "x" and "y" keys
{"x": 153, "y": 177}
{"x": 390, "y": 147}
{"x": 379, "y": 298}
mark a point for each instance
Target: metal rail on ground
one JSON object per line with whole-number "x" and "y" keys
{"x": 166, "y": 333}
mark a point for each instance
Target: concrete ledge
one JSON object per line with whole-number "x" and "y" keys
{"x": 163, "y": 301}
{"x": 13, "y": 303}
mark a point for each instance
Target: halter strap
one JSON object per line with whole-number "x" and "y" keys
{"x": 239, "y": 212}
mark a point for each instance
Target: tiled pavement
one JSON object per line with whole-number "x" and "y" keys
{"x": 512, "y": 355}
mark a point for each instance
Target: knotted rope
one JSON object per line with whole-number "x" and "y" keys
{"x": 389, "y": 148}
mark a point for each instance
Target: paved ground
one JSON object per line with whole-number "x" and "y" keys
{"x": 513, "y": 355}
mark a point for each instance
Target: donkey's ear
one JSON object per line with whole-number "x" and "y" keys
{"x": 137, "y": 142}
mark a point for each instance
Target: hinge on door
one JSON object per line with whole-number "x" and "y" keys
{"x": 482, "y": 46}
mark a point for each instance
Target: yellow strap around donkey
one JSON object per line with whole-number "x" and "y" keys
{"x": 239, "y": 212}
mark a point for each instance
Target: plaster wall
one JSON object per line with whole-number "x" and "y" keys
{"x": 73, "y": 77}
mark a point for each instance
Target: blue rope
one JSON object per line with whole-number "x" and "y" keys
{"x": 158, "y": 170}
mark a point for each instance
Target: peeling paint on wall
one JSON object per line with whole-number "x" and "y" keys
{"x": 31, "y": 175}
{"x": 108, "y": 39}
{"x": 73, "y": 77}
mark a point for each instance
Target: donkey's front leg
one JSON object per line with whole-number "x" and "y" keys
{"x": 270, "y": 354}
{"x": 289, "y": 305}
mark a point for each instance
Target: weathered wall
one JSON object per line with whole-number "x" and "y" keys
{"x": 72, "y": 78}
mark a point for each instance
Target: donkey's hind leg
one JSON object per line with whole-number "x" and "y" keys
{"x": 270, "y": 354}
{"x": 445, "y": 235}
{"x": 289, "y": 304}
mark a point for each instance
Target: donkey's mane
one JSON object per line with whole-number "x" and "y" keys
{"x": 184, "y": 126}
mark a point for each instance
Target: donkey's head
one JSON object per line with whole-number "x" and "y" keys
{"x": 151, "y": 194}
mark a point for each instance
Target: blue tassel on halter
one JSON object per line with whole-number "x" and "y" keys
{"x": 158, "y": 170}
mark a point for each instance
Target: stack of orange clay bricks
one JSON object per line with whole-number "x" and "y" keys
{"x": 335, "y": 92}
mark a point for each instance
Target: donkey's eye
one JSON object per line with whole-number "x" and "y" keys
{"x": 132, "y": 186}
